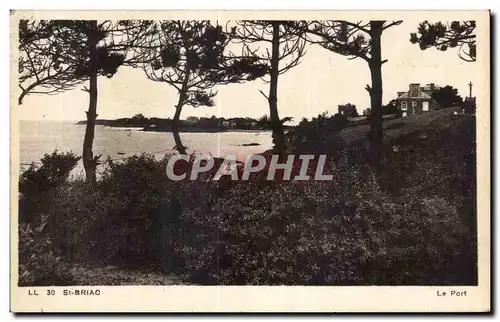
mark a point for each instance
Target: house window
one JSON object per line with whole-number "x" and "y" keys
{"x": 414, "y": 103}
{"x": 404, "y": 105}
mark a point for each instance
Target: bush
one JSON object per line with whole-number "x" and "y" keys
{"x": 39, "y": 263}
{"x": 54, "y": 170}
{"x": 320, "y": 135}
{"x": 433, "y": 163}
{"x": 347, "y": 231}
{"x": 36, "y": 184}
{"x": 135, "y": 174}
{"x": 75, "y": 209}
{"x": 118, "y": 221}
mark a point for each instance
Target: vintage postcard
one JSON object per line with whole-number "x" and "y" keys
{"x": 250, "y": 161}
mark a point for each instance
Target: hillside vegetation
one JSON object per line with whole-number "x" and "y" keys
{"x": 415, "y": 224}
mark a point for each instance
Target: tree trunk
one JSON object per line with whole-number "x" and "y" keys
{"x": 178, "y": 109}
{"x": 278, "y": 134}
{"x": 26, "y": 91}
{"x": 376, "y": 129}
{"x": 177, "y": 139}
{"x": 89, "y": 162}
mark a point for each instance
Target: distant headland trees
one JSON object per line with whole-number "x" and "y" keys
{"x": 190, "y": 124}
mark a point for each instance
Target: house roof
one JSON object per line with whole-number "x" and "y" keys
{"x": 420, "y": 95}
{"x": 430, "y": 87}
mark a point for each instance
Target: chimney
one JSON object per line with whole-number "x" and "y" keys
{"x": 414, "y": 89}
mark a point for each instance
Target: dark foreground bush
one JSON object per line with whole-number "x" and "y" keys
{"x": 54, "y": 170}
{"x": 342, "y": 232}
{"x": 119, "y": 220}
{"x": 39, "y": 261}
{"x": 320, "y": 135}
{"x": 37, "y": 183}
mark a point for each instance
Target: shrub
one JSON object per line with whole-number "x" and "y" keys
{"x": 54, "y": 170}
{"x": 347, "y": 231}
{"x": 117, "y": 221}
{"x": 134, "y": 174}
{"x": 433, "y": 163}
{"x": 39, "y": 262}
{"x": 76, "y": 209}
{"x": 320, "y": 135}
{"x": 36, "y": 184}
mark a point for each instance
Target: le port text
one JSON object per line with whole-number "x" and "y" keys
{"x": 452, "y": 293}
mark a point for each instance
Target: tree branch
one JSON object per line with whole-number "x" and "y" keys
{"x": 267, "y": 98}
{"x": 394, "y": 23}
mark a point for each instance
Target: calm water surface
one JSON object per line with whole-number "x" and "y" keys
{"x": 40, "y": 137}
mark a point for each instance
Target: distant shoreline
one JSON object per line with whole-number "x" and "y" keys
{"x": 204, "y": 130}
{"x": 167, "y": 129}
{"x": 204, "y": 126}
{"x": 187, "y": 130}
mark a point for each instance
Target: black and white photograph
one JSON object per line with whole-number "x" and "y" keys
{"x": 229, "y": 151}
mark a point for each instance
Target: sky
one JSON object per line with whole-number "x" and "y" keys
{"x": 320, "y": 83}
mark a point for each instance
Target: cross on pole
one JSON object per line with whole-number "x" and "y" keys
{"x": 470, "y": 89}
